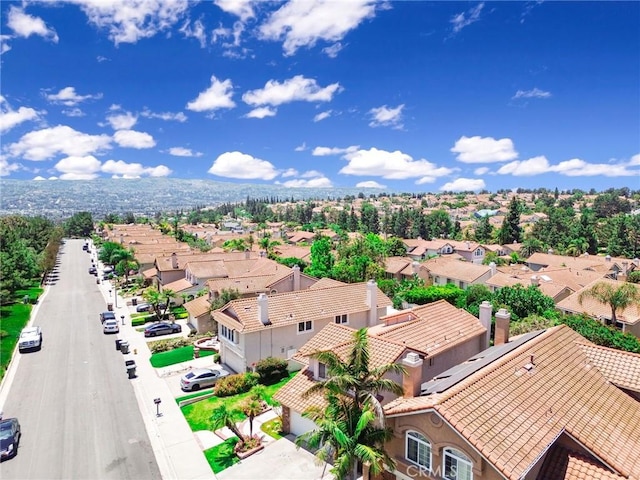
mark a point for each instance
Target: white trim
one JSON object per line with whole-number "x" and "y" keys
{"x": 425, "y": 442}
{"x": 457, "y": 455}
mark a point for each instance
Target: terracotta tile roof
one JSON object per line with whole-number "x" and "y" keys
{"x": 332, "y": 334}
{"x": 453, "y": 268}
{"x": 326, "y": 282}
{"x": 431, "y": 329}
{"x": 298, "y": 306}
{"x": 150, "y": 273}
{"x": 514, "y": 408}
{"x": 198, "y": 306}
{"x": 207, "y": 269}
{"x": 549, "y": 279}
{"x": 583, "y": 262}
{"x": 563, "y": 464}
{"x": 178, "y": 286}
{"x": 164, "y": 263}
{"x": 619, "y": 367}
{"x": 395, "y": 265}
{"x": 292, "y": 394}
{"x": 293, "y": 251}
{"x": 595, "y": 309}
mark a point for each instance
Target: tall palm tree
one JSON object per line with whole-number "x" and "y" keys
{"x": 252, "y": 407}
{"x": 223, "y": 416}
{"x": 617, "y": 297}
{"x": 351, "y": 428}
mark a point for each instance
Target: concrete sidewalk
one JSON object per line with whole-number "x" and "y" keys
{"x": 175, "y": 446}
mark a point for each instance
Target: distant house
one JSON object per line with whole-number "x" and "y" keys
{"x": 445, "y": 270}
{"x": 278, "y": 325}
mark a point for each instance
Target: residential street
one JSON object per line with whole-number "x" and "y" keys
{"x": 78, "y": 412}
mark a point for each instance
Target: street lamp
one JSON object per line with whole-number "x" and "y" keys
{"x": 122, "y": 318}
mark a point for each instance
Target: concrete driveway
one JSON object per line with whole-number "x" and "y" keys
{"x": 280, "y": 460}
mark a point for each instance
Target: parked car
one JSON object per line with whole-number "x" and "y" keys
{"x": 201, "y": 378}
{"x": 143, "y": 307}
{"x": 30, "y": 338}
{"x": 162, "y": 328}
{"x": 9, "y": 437}
{"x": 110, "y": 326}
{"x": 93, "y": 271}
{"x": 107, "y": 316}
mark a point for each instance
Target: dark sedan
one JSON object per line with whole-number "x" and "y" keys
{"x": 162, "y": 328}
{"x": 9, "y": 437}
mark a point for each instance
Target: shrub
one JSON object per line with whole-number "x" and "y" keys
{"x": 602, "y": 334}
{"x": 169, "y": 344}
{"x": 136, "y": 322}
{"x": 234, "y": 384}
{"x": 271, "y": 370}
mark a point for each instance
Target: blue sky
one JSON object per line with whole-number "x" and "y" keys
{"x": 406, "y": 96}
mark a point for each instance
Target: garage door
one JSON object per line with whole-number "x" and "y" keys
{"x": 300, "y": 424}
{"x": 230, "y": 358}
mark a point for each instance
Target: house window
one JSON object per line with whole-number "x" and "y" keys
{"x": 341, "y": 319}
{"x": 478, "y": 252}
{"x": 457, "y": 466}
{"x": 228, "y": 333}
{"x": 305, "y": 326}
{"x": 322, "y": 371}
{"x": 418, "y": 449}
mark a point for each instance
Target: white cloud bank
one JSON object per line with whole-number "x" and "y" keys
{"x": 68, "y": 96}
{"x": 533, "y": 93}
{"x": 25, "y": 25}
{"x": 133, "y": 139}
{"x": 9, "y": 118}
{"x": 183, "y": 152}
{"x": 243, "y": 166}
{"x": 464, "y": 19}
{"x": 571, "y": 168}
{"x": 484, "y": 150}
{"x": 463, "y": 185}
{"x": 386, "y": 117}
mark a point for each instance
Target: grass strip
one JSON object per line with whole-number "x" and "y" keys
{"x": 177, "y": 355}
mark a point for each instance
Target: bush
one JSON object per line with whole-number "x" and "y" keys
{"x": 235, "y": 384}
{"x": 600, "y": 334}
{"x": 169, "y": 344}
{"x": 136, "y": 322}
{"x": 271, "y": 370}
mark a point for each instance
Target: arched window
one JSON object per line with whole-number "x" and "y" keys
{"x": 456, "y": 465}
{"x": 418, "y": 449}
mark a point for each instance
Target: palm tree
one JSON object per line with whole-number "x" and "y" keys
{"x": 617, "y": 297}
{"x": 351, "y": 428}
{"x": 252, "y": 407}
{"x": 577, "y": 247}
{"x": 223, "y": 416}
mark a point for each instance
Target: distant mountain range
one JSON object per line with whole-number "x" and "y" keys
{"x": 146, "y": 196}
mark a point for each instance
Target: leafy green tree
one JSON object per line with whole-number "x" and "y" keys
{"x": 322, "y": 260}
{"x": 600, "y": 334}
{"x": 530, "y": 246}
{"x": 235, "y": 244}
{"x": 223, "y": 416}
{"x": 522, "y": 301}
{"x": 79, "y": 225}
{"x": 400, "y": 223}
{"x": 433, "y": 293}
{"x": 395, "y": 247}
{"x": 484, "y": 230}
{"x": 616, "y": 297}
{"x": 510, "y": 231}
{"x": 225, "y": 296}
{"x": 369, "y": 220}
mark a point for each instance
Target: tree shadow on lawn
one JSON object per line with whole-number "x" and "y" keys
{"x": 222, "y": 456}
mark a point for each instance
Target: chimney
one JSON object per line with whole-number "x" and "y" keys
{"x": 485, "y": 319}
{"x": 607, "y": 258}
{"x": 263, "y": 309}
{"x": 503, "y": 318}
{"x": 247, "y": 254}
{"x": 411, "y": 382}
{"x": 535, "y": 281}
{"x": 493, "y": 268}
{"x": 372, "y": 302}
{"x": 296, "y": 278}
{"x": 174, "y": 260}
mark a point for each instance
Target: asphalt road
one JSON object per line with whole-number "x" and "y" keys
{"x": 78, "y": 412}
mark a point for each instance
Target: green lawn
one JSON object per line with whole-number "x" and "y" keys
{"x": 177, "y": 355}
{"x": 222, "y": 456}
{"x": 13, "y": 318}
{"x": 273, "y": 428}
{"x": 198, "y": 414}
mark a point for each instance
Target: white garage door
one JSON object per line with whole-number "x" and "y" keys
{"x": 230, "y": 358}
{"x": 300, "y": 424}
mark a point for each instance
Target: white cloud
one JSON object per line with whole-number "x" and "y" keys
{"x": 120, "y": 169}
{"x": 635, "y": 160}
{"x": 301, "y": 148}
{"x": 325, "y": 151}
{"x": 464, "y": 185}
{"x": 6, "y": 168}
{"x": 122, "y": 121}
{"x": 24, "y": 25}
{"x": 48, "y": 142}
{"x": 312, "y": 174}
{"x": 73, "y": 112}
{"x": 179, "y": 117}
{"x": 196, "y": 31}
{"x": 386, "y": 117}
{"x": 465, "y": 19}
{"x": 525, "y": 168}
{"x": 78, "y": 167}
{"x": 68, "y": 96}
{"x": 390, "y": 165}
{"x": 484, "y": 150}
{"x": 183, "y": 152}
{"x": 297, "y": 88}
{"x": 370, "y": 184}
{"x": 575, "y": 167}
{"x": 322, "y": 115}
{"x": 290, "y": 172}
{"x": 101, "y": 58}
{"x": 301, "y": 23}
{"x": 262, "y": 112}
{"x": 317, "y": 182}
{"x": 217, "y": 96}
{"x": 533, "y": 93}
{"x": 239, "y": 8}
{"x": 133, "y": 139}
{"x": 240, "y": 165}
{"x": 131, "y": 20}
{"x": 9, "y": 118}
{"x": 333, "y": 50}
{"x": 481, "y": 171}
{"x": 4, "y": 46}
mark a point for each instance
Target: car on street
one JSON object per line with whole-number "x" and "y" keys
{"x": 30, "y": 338}
{"x": 143, "y": 307}
{"x": 104, "y": 316}
{"x": 162, "y": 328}
{"x": 201, "y": 378}
{"x": 9, "y": 437}
{"x": 93, "y": 271}
{"x": 110, "y": 326}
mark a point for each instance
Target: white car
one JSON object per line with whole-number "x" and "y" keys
{"x": 110, "y": 326}
{"x": 201, "y": 378}
{"x": 30, "y": 338}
